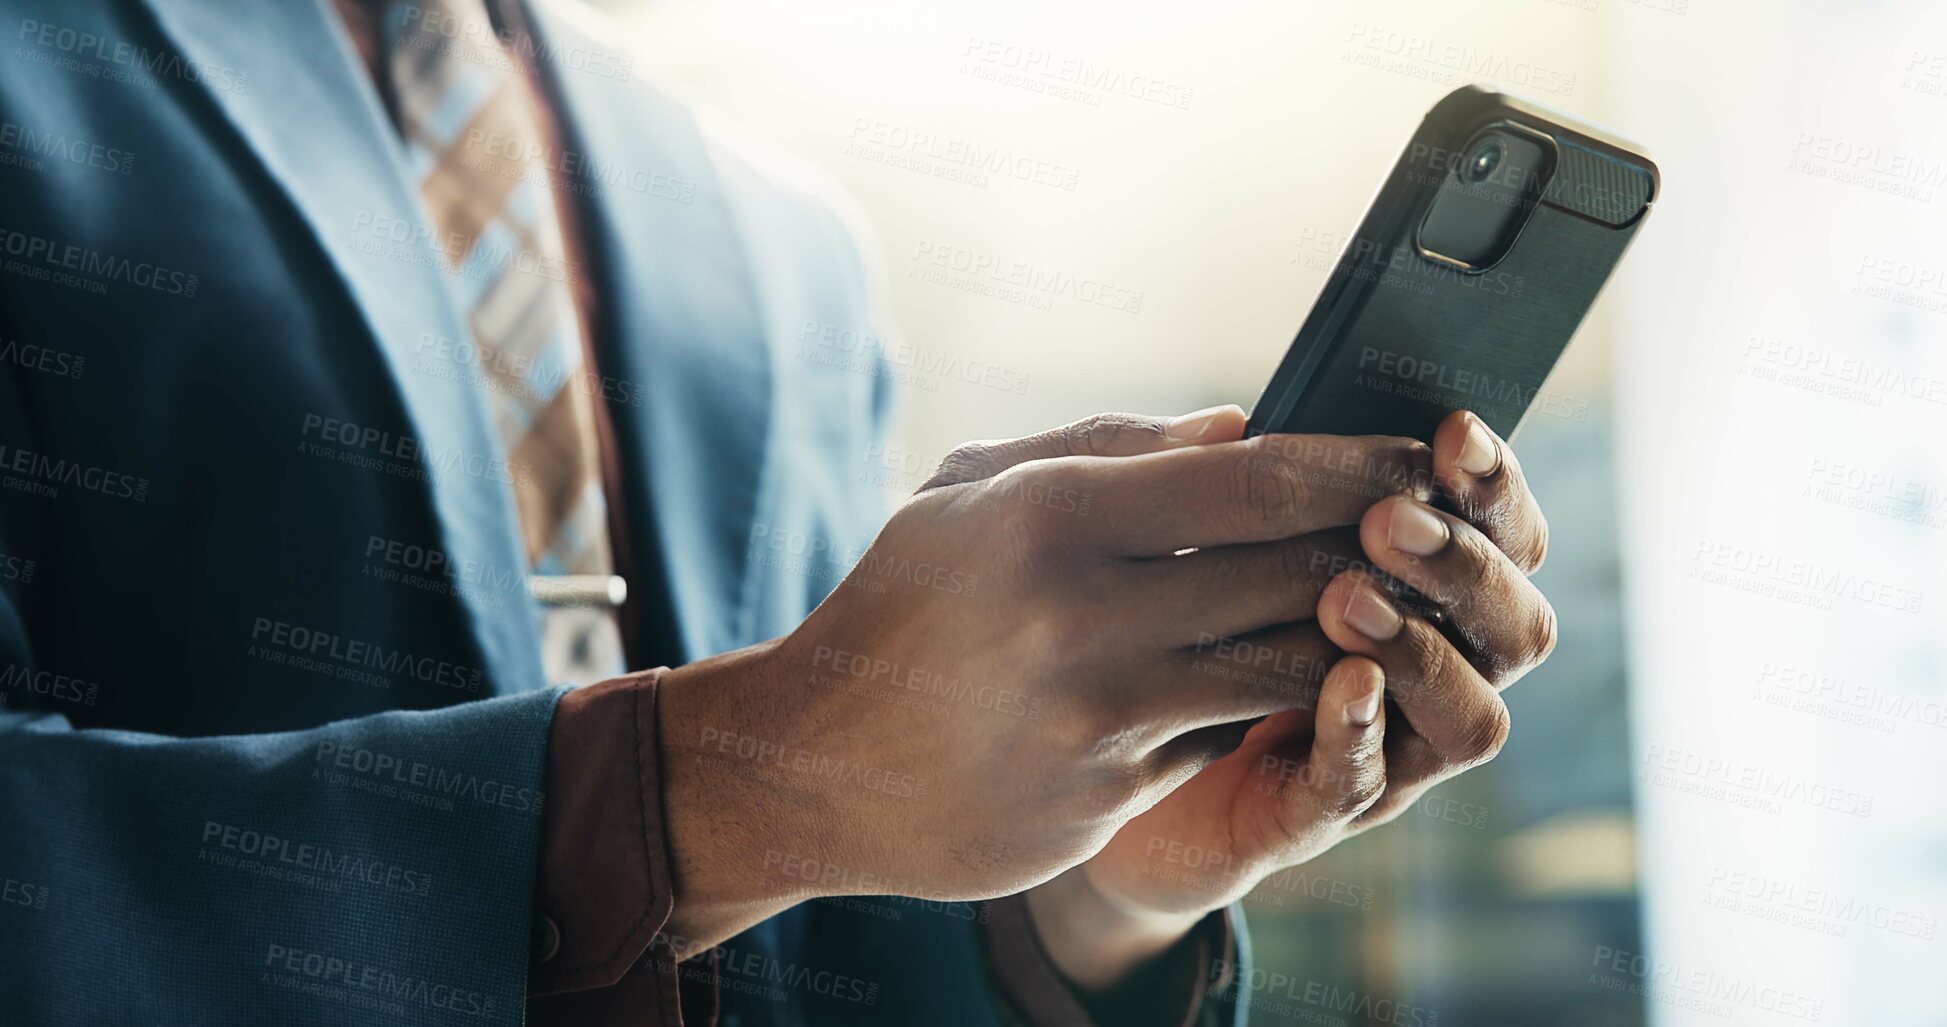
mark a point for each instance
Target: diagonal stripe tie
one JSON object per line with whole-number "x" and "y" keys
{"x": 467, "y": 112}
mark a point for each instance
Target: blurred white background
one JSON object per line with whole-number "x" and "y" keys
{"x": 1750, "y": 521}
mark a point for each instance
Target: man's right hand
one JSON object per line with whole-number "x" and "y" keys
{"x": 1021, "y": 662}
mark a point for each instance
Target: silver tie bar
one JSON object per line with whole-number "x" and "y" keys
{"x": 593, "y": 590}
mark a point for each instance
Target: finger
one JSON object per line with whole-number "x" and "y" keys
{"x": 1170, "y": 765}
{"x": 1258, "y": 490}
{"x": 1443, "y": 698}
{"x": 1229, "y": 680}
{"x": 1507, "y": 624}
{"x": 1100, "y": 435}
{"x": 1197, "y": 597}
{"x": 1347, "y": 769}
{"x": 1412, "y": 767}
{"x": 1479, "y": 475}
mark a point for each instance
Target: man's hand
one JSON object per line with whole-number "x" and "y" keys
{"x": 1306, "y": 777}
{"x": 1011, "y": 671}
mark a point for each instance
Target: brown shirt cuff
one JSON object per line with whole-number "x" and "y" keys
{"x": 1184, "y": 979}
{"x": 603, "y": 893}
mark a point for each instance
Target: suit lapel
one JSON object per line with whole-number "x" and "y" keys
{"x": 682, "y": 333}
{"x": 310, "y": 114}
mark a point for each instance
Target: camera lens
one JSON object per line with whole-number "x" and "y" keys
{"x": 1482, "y": 162}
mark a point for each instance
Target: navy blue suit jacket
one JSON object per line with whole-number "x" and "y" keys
{"x": 275, "y": 719}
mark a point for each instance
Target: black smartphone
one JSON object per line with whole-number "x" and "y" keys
{"x": 1473, "y": 267}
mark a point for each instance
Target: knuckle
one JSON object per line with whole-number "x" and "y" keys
{"x": 1359, "y": 793}
{"x": 1487, "y": 736}
{"x": 1099, "y": 727}
{"x": 1530, "y": 642}
{"x": 1301, "y": 562}
{"x": 1478, "y": 575}
{"x": 1266, "y": 492}
{"x": 1542, "y": 634}
{"x": 970, "y": 462}
{"x": 1430, "y": 663}
{"x": 1107, "y": 434}
{"x": 1401, "y": 467}
{"x": 1533, "y": 549}
{"x": 1025, "y": 537}
{"x": 1462, "y": 576}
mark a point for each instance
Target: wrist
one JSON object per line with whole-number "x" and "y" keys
{"x": 733, "y": 843}
{"x": 1095, "y": 941}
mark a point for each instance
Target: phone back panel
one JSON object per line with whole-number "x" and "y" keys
{"x": 1398, "y": 339}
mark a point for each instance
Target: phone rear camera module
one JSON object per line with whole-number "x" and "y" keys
{"x": 1483, "y": 160}
{"x": 1489, "y": 192}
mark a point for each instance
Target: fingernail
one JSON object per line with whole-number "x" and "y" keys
{"x": 1372, "y": 616}
{"x": 1414, "y": 529}
{"x": 1365, "y": 709}
{"x": 1478, "y": 453}
{"x": 1189, "y": 426}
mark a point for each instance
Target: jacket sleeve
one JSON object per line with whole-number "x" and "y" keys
{"x": 376, "y": 868}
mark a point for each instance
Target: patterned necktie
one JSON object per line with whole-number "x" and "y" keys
{"x": 467, "y": 111}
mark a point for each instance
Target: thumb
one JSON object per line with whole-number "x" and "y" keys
{"x": 1348, "y": 764}
{"x": 1100, "y": 435}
